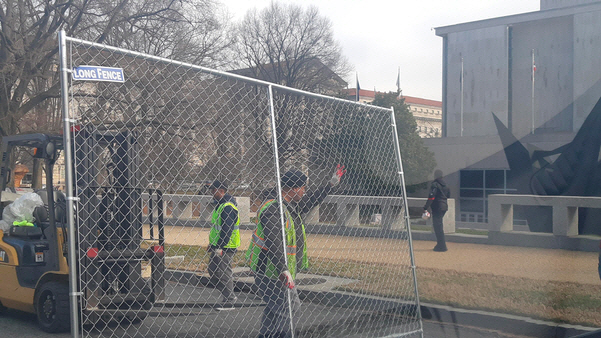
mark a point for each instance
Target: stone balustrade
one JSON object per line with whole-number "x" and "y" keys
{"x": 346, "y": 209}
{"x": 193, "y": 207}
{"x": 340, "y": 214}
{"x": 343, "y": 209}
{"x": 565, "y": 210}
{"x": 564, "y": 217}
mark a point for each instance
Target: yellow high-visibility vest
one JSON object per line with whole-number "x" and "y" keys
{"x": 215, "y": 233}
{"x": 258, "y": 243}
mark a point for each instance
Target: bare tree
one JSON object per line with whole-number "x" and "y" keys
{"x": 186, "y": 29}
{"x": 292, "y": 46}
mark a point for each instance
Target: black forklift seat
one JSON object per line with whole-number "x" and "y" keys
{"x": 25, "y": 232}
{"x": 60, "y": 207}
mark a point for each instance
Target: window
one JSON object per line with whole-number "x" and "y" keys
{"x": 474, "y": 188}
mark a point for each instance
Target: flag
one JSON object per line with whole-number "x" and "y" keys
{"x": 358, "y": 88}
{"x": 398, "y": 80}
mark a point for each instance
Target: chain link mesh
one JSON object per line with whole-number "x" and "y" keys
{"x": 142, "y": 152}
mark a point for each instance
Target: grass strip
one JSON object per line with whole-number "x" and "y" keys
{"x": 563, "y": 302}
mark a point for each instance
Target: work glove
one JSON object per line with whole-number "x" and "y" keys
{"x": 218, "y": 252}
{"x": 337, "y": 175}
{"x": 286, "y": 278}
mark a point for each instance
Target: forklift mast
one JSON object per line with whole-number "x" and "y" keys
{"x": 108, "y": 187}
{"x": 110, "y": 222}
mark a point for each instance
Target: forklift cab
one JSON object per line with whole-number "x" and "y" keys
{"x": 33, "y": 263}
{"x": 52, "y": 214}
{"x": 110, "y": 254}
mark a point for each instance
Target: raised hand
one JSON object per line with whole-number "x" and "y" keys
{"x": 337, "y": 175}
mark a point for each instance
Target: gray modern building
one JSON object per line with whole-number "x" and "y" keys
{"x": 538, "y": 72}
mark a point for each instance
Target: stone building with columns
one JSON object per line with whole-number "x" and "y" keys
{"x": 427, "y": 113}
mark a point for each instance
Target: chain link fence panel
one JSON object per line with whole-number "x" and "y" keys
{"x": 143, "y": 150}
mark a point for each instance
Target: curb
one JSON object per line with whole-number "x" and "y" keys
{"x": 512, "y": 324}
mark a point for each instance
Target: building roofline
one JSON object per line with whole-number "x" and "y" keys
{"x": 518, "y": 18}
{"x": 424, "y": 102}
{"x": 408, "y": 99}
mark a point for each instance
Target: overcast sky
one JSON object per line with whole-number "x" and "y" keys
{"x": 378, "y": 36}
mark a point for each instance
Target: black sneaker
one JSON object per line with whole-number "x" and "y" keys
{"x": 439, "y": 249}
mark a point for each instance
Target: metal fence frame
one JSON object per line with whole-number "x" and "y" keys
{"x": 69, "y": 121}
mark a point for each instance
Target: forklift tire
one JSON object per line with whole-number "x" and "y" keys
{"x": 52, "y": 307}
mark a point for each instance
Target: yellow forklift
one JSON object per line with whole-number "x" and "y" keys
{"x": 110, "y": 249}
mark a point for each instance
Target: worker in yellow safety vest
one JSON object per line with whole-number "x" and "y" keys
{"x": 224, "y": 240}
{"x": 275, "y": 271}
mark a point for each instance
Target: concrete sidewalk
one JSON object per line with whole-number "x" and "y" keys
{"x": 533, "y": 263}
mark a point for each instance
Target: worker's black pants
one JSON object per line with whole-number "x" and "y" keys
{"x": 437, "y": 216}
{"x": 220, "y": 270}
{"x": 275, "y": 322}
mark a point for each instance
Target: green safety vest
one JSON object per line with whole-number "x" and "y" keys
{"x": 258, "y": 243}
{"x": 215, "y": 233}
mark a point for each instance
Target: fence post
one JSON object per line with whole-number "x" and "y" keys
{"x": 407, "y": 219}
{"x": 280, "y": 200}
{"x": 73, "y": 285}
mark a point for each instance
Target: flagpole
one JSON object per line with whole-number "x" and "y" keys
{"x": 398, "y": 81}
{"x": 358, "y": 88}
{"x": 532, "y": 95}
{"x": 461, "y": 79}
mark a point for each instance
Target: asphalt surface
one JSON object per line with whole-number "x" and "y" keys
{"x": 23, "y": 325}
{"x": 543, "y": 264}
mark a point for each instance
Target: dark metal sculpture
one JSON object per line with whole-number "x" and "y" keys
{"x": 573, "y": 169}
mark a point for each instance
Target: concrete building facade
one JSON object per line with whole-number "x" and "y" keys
{"x": 538, "y": 72}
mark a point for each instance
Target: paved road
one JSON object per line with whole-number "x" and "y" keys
{"x": 543, "y": 264}
{"x": 21, "y": 325}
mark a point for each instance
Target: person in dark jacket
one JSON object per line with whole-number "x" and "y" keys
{"x": 224, "y": 240}
{"x": 437, "y": 201}
{"x": 274, "y": 274}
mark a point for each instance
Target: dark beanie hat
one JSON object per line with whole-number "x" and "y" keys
{"x": 216, "y": 184}
{"x": 293, "y": 179}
